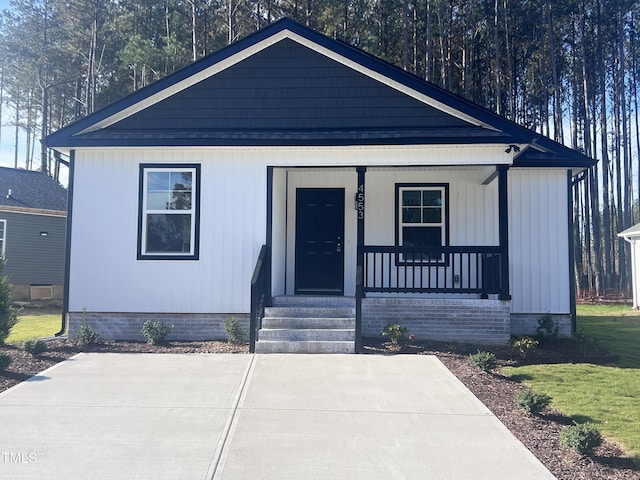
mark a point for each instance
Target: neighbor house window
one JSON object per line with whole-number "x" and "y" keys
{"x": 422, "y": 213}
{"x": 3, "y": 237}
{"x": 169, "y": 212}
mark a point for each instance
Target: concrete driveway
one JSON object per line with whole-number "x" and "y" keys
{"x": 152, "y": 416}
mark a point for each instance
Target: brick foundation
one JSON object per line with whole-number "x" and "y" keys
{"x": 186, "y": 326}
{"x": 450, "y": 320}
{"x": 527, "y": 323}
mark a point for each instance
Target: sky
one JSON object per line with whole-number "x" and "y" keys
{"x": 6, "y": 142}
{"x": 7, "y": 139}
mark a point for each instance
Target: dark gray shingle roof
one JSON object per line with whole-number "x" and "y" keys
{"x": 30, "y": 189}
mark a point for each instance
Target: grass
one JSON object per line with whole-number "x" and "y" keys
{"x": 606, "y": 394}
{"x": 34, "y": 326}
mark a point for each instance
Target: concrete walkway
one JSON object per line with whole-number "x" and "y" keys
{"x": 144, "y": 416}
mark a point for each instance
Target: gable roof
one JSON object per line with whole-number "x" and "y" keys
{"x": 27, "y": 189}
{"x": 290, "y": 85}
{"x": 631, "y": 232}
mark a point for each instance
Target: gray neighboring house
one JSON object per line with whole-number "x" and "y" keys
{"x": 32, "y": 233}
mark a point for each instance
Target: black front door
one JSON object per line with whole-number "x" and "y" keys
{"x": 319, "y": 241}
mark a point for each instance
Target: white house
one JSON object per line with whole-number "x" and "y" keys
{"x": 632, "y": 236}
{"x": 315, "y": 193}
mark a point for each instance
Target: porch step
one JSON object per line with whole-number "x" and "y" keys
{"x": 308, "y": 325}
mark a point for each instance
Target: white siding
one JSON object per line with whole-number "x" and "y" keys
{"x": 107, "y": 277}
{"x": 105, "y": 274}
{"x": 472, "y": 219}
{"x": 473, "y": 216}
{"x": 538, "y": 243}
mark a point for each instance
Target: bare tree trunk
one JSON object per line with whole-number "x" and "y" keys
{"x": 557, "y": 105}
{"x": 624, "y": 145}
{"x": 607, "y": 256}
{"x": 427, "y": 53}
{"x": 16, "y": 134}
{"x": 497, "y": 57}
{"x": 510, "y": 83}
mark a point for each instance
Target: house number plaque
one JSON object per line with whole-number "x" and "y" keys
{"x": 360, "y": 202}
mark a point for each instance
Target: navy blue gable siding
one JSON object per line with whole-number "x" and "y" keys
{"x": 288, "y": 87}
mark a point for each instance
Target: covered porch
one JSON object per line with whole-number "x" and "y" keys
{"x": 450, "y": 283}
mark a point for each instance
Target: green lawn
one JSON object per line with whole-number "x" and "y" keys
{"x": 34, "y": 326}
{"x": 607, "y": 394}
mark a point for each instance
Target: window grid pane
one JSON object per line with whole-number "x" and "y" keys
{"x": 422, "y": 222}
{"x": 169, "y": 214}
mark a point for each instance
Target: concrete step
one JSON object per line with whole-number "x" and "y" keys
{"x": 307, "y": 335}
{"x": 267, "y": 346}
{"x": 310, "y": 312}
{"x": 313, "y": 301}
{"x": 309, "y": 322}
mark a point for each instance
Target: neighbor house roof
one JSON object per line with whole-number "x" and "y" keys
{"x": 631, "y": 232}
{"x": 288, "y": 85}
{"x": 27, "y": 189}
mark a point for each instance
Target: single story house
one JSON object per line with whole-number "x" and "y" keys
{"x": 632, "y": 236}
{"x": 315, "y": 193}
{"x": 32, "y": 234}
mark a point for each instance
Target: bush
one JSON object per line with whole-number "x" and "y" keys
{"x": 235, "y": 332}
{"x": 8, "y": 314}
{"x": 86, "y": 335}
{"x": 394, "y": 332}
{"x": 5, "y": 360}
{"x": 548, "y": 328}
{"x": 532, "y": 401}
{"x": 34, "y": 347}
{"x": 155, "y": 332}
{"x": 485, "y": 361}
{"x": 523, "y": 345}
{"x": 589, "y": 346}
{"x": 583, "y": 438}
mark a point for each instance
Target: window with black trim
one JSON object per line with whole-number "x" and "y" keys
{"x": 422, "y": 219}
{"x": 168, "y": 223}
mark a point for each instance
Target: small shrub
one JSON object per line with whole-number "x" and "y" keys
{"x": 34, "y": 347}
{"x": 8, "y": 314}
{"x": 235, "y": 332}
{"x": 155, "y": 332}
{"x": 548, "y": 328}
{"x": 583, "y": 438}
{"x": 394, "y": 332}
{"x": 5, "y": 360}
{"x": 532, "y": 401}
{"x": 86, "y": 335}
{"x": 524, "y": 345}
{"x": 589, "y": 346}
{"x": 485, "y": 361}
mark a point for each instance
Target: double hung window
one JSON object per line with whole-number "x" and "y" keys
{"x": 422, "y": 220}
{"x": 169, "y": 212}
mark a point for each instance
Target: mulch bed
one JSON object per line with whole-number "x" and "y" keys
{"x": 540, "y": 434}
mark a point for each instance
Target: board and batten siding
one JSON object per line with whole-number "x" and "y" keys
{"x": 105, "y": 275}
{"x": 538, "y": 241}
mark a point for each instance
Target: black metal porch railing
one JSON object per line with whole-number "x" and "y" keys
{"x": 459, "y": 269}
{"x": 260, "y": 294}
